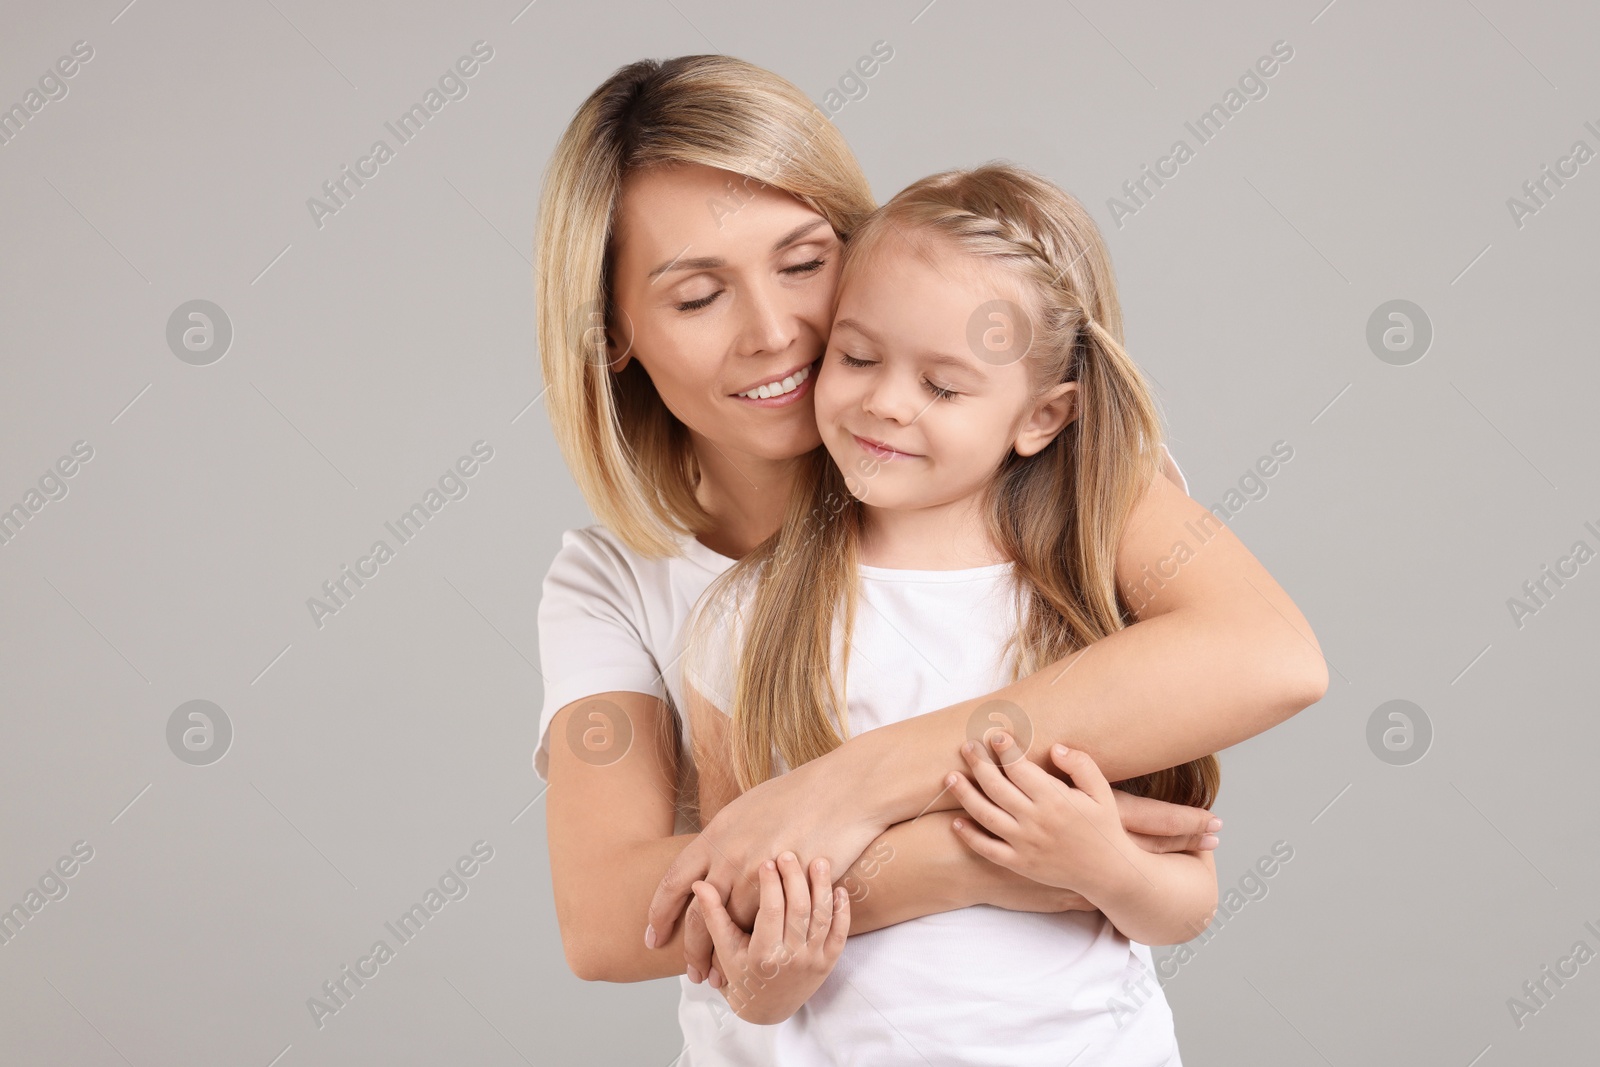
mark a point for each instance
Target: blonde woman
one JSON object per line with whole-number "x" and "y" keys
{"x": 947, "y": 568}
{"x": 689, "y": 236}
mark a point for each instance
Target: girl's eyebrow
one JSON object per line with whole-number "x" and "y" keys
{"x": 717, "y": 262}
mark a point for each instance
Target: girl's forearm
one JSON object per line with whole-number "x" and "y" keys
{"x": 1158, "y": 899}
{"x": 914, "y": 868}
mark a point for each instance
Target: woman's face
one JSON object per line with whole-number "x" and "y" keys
{"x": 723, "y": 288}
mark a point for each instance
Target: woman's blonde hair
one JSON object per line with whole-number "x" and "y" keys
{"x": 632, "y": 457}
{"x": 1058, "y": 515}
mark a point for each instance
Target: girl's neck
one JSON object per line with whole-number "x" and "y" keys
{"x": 948, "y": 537}
{"x": 746, "y": 495}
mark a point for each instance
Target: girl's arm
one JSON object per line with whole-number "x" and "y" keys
{"x": 1066, "y": 832}
{"x": 1219, "y": 654}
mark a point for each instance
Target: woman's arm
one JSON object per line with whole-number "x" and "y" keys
{"x": 610, "y": 824}
{"x": 1219, "y": 654}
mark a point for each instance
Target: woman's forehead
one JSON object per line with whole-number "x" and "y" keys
{"x": 692, "y": 210}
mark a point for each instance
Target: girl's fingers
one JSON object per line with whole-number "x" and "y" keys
{"x": 839, "y": 927}
{"x": 991, "y": 849}
{"x": 822, "y": 902}
{"x": 993, "y": 780}
{"x": 1034, "y": 781}
{"x": 1085, "y": 772}
{"x": 768, "y": 929}
{"x": 797, "y": 915}
{"x": 724, "y": 933}
{"x": 980, "y": 807}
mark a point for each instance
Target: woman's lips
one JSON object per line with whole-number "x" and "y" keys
{"x": 801, "y": 390}
{"x": 880, "y": 450}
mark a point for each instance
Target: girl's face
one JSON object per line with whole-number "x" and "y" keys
{"x": 914, "y": 413}
{"x": 723, "y": 289}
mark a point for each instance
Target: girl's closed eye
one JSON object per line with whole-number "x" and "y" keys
{"x": 939, "y": 391}
{"x": 847, "y": 360}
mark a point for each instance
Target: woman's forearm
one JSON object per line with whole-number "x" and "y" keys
{"x": 1155, "y": 695}
{"x": 600, "y": 919}
{"x": 1220, "y": 653}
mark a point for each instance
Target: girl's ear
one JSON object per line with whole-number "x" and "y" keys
{"x": 1050, "y": 416}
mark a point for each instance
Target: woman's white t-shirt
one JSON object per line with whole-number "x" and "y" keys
{"x": 611, "y": 620}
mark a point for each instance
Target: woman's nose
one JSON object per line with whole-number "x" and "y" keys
{"x": 769, "y": 324}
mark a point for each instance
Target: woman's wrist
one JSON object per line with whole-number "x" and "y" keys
{"x": 891, "y": 772}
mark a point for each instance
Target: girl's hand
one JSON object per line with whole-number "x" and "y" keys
{"x": 1063, "y": 835}
{"x": 766, "y": 975}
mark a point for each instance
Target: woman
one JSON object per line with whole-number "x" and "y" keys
{"x": 687, "y": 256}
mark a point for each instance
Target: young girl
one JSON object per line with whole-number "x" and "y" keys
{"x": 974, "y": 380}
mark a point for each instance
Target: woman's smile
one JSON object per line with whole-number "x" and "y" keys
{"x": 782, "y": 390}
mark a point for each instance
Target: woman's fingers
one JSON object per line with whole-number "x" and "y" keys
{"x": 980, "y": 807}
{"x": 1157, "y": 818}
{"x": 822, "y": 901}
{"x": 996, "y": 786}
{"x": 673, "y": 893}
{"x": 992, "y": 849}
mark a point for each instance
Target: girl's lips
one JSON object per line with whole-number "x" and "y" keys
{"x": 792, "y": 396}
{"x": 881, "y": 451}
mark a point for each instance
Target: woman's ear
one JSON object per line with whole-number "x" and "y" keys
{"x": 618, "y": 355}
{"x": 614, "y": 361}
{"x": 1050, "y": 416}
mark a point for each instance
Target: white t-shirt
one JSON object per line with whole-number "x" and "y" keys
{"x": 612, "y": 620}
{"x": 979, "y": 985}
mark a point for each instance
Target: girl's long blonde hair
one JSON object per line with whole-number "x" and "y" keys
{"x": 630, "y": 456}
{"x": 1058, "y": 514}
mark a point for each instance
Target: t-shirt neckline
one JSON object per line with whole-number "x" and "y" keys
{"x": 695, "y": 550}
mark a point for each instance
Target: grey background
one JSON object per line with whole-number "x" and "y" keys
{"x": 369, "y": 354}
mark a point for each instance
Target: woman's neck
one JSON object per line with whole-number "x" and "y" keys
{"x": 947, "y": 537}
{"x": 746, "y": 495}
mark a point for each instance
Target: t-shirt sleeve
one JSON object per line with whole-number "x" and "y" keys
{"x": 591, "y": 631}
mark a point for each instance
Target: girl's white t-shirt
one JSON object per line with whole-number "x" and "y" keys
{"x": 613, "y": 620}
{"x": 979, "y": 985}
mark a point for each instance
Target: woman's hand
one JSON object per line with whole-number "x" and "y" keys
{"x": 1044, "y": 829}
{"x": 814, "y": 810}
{"x": 799, "y": 933}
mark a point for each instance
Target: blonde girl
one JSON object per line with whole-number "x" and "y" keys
{"x": 975, "y": 379}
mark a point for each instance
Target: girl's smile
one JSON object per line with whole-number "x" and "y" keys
{"x": 880, "y": 450}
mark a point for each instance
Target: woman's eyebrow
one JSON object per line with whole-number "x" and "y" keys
{"x": 717, "y": 262}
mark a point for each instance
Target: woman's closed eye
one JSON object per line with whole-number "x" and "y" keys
{"x": 798, "y": 270}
